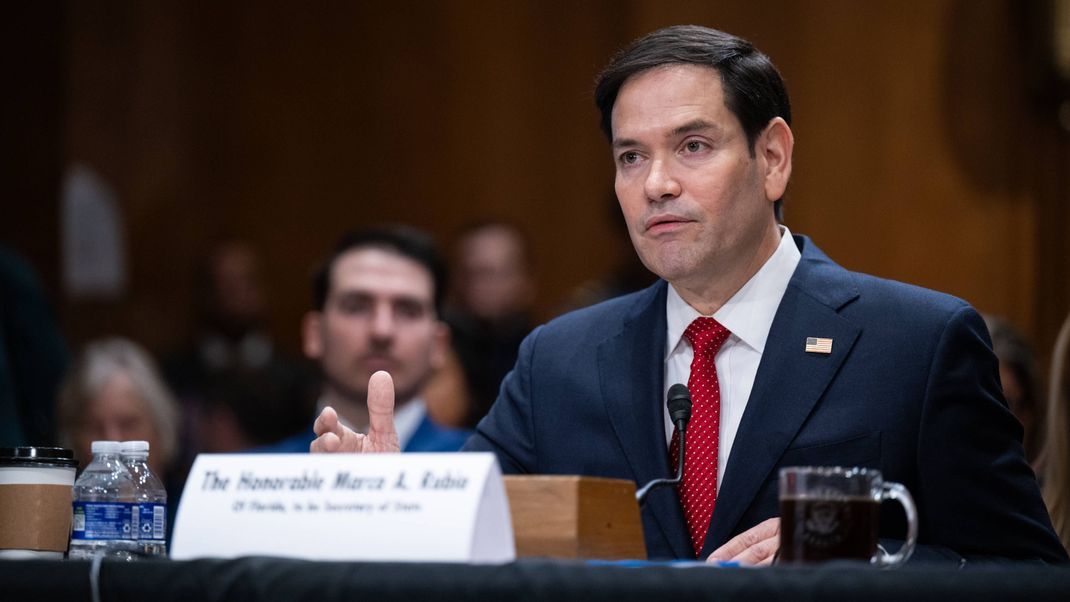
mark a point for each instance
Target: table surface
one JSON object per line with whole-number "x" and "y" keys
{"x": 530, "y": 579}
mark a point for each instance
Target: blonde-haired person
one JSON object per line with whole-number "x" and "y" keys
{"x": 1055, "y": 457}
{"x": 114, "y": 392}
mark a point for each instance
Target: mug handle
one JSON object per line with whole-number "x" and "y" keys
{"x": 899, "y": 493}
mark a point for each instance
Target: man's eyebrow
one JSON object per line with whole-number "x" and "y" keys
{"x": 697, "y": 125}
{"x": 352, "y": 292}
{"x": 410, "y": 300}
{"x": 693, "y": 126}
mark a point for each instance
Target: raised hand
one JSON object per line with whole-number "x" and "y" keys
{"x": 334, "y": 437}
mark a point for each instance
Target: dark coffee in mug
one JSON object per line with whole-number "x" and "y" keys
{"x": 832, "y": 513}
{"x": 820, "y": 529}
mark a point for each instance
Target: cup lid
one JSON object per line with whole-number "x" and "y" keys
{"x": 37, "y": 456}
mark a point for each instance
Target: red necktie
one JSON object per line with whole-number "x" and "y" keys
{"x": 698, "y": 492}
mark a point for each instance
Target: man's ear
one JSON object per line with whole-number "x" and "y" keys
{"x": 312, "y": 334}
{"x": 440, "y": 345}
{"x": 774, "y": 148}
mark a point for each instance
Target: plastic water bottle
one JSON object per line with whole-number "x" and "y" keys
{"x": 149, "y": 515}
{"x": 102, "y": 503}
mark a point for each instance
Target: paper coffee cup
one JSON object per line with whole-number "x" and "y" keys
{"x": 35, "y": 501}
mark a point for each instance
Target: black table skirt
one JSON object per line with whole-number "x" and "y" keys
{"x": 543, "y": 580}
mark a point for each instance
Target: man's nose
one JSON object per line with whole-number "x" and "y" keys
{"x": 383, "y": 323}
{"x": 660, "y": 182}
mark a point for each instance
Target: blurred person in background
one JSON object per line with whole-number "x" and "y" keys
{"x": 33, "y": 356}
{"x": 1018, "y": 374}
{"x": 236, "y": 389}
{"x": 376, "y": 305}
{"x": 1055, "y": 453}
{"x": 491, "y": 313}
{"x": 114, "y": 392}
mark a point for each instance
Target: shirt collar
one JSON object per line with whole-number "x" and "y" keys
{"x": 749, "y": 313}
{"x": 407, "y": 419}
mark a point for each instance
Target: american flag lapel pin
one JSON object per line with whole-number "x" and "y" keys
{"x": 818, "y": 345}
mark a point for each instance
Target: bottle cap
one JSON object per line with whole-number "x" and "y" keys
{"x": 105, "y": 447}
{"x": 135, "y": 447}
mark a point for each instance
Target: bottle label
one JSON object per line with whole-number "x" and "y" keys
{"x": 150, "y": 522}
{"x": 102, "y": 520}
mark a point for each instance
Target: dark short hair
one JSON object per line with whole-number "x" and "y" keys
{"x": 402, "y": 240}
{"x": 753, "y": 90}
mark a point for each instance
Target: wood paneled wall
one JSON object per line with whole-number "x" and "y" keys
{"x": 922, "y": 151}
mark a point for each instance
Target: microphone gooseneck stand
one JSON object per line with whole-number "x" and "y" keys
{"x": 679, "y": 404}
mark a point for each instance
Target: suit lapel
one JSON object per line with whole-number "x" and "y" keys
{"x": 788, "y": 383}
{"x": 631, "y": 370}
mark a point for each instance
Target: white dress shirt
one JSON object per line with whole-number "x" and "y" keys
{"x": 749, "y": 316}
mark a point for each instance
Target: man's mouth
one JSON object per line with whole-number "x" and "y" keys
{"x": 378, "y": 362}
{"x": 665, "y": 223}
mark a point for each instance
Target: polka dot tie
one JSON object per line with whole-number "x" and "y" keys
{"x": 698, "y": 492}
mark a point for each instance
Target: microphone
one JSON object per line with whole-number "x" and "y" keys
{"x": 679, "y": 404}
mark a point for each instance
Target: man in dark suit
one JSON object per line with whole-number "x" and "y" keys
{"x": 790, "y": 359}
{"x": 378, "y": 298}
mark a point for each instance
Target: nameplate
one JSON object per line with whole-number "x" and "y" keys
{"x": 448, "y": 507}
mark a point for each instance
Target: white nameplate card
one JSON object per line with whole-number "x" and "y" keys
{"x": 448, "y": 507}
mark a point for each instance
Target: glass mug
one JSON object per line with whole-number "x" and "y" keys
{"x": 829, "y": 512}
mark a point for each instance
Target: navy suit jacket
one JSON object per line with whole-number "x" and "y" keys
{"x": 429, "y": 437}
{"x": 911, "y": 387}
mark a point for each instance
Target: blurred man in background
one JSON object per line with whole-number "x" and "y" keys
{"x": 236, "y": 389}
{"x": 492, "y": 312}
{"x": 377, "y": 301}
